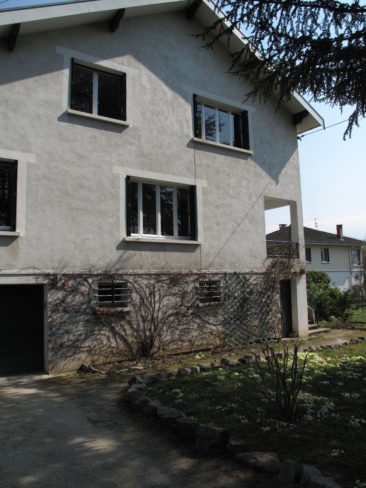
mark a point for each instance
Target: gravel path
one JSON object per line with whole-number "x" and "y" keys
{"x": 74, "y": 432}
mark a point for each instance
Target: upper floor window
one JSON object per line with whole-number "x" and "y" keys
{"x": 160, "y": 210}
{"x": 98, "y": 92}
{"x": 215, "y": 123}
{"x": 308, "y": 254}
{"x": 8, "y": 195}
{"x": 324, "y": 251}
{"x": 356, "y": 257}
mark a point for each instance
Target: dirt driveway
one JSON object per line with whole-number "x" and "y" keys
{"x": 73, "y": 432}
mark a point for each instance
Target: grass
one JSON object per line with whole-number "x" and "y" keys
{"x": 329, "y": 431}
{"x": 359, "y": 317}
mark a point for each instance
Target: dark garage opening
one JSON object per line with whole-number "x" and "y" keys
{"x": 21, "y": 329}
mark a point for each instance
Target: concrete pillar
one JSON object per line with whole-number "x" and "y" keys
{"x": 299, "y": 305}
{"x": 297, "y": 230}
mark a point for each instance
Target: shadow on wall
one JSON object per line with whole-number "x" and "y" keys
{"x": 192, "y": 70}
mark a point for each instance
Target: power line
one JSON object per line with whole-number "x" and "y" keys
{"x": 325, "y": 128}
{"x": 3, "y": 1}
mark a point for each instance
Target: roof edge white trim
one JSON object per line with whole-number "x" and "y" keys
{"x": 309, "y": 108}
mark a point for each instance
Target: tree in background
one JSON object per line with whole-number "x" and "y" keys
{"x": 327, "y": 301}
{"x": 317, "y": 48}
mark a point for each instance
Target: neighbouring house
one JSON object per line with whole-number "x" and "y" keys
{"x": 129, "y": 162}
{"x": 335, "y": 254}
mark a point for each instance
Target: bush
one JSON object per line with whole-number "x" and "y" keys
{"x": 318, "y": 277}
{"x": 326, "y": 300}
{"x": 281, "y": 380}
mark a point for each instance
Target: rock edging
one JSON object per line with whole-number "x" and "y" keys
{"x": 208, "y": 438}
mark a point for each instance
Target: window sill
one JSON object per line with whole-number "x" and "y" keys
{"x": 161, "y": 241}
{"x": 212, "y": 304}
{"x": 111, "y": 310}
{"x": 325, "y": 262}
{"x": 9, "y": 233}
{"x": 98, "y": 117}
{"x": 222, "y": 146}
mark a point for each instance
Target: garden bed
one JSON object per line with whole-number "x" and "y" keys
{"x": 329, "y": 431}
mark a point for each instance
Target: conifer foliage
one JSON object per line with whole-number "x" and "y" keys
{"x": 316, "y": 47}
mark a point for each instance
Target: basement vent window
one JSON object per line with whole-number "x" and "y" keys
{"x": 209, "y": 292}
{"x": 98, "y": 92}
{"x": 113, "y": 294}
{"x": 220, "y": 125}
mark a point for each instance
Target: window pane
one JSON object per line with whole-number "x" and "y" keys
{"x": 183, "y": 212}
{"x": 134, "y": 208}
{"x": 166, "y": 211}
{"x": 149, "y": 208}
{"x": 109, "y": 95}
{"x": 210, "y": 123}
{"x": 82, "y": 89}
{"x": 224, "y": 127}
{"x": 4, "y": 194}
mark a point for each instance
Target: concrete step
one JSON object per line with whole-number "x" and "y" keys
{"x": 313, "y": 326}
{"x": 319, "y": 330}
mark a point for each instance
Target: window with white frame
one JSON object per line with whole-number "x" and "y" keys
{"x": 324, "y": 251}
{"x": 219, "y": 124}
{"x": 308, "y": 254}
{"x": 356, "y": 257}
{"x": 98, "y": 92}
{"x": 160, "y": 210}
{"x": 8, "y": 195}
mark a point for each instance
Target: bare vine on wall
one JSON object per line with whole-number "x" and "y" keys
{"x": 164, "y": 313}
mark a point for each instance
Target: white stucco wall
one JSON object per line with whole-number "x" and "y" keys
{"x": 73, "y": 210}
{"x": 339, "y": 267}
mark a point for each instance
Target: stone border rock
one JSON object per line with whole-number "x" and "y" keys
{"x": 208, "y": 438}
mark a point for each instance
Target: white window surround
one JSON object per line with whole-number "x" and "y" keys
{"x": 158, "y": 221}
{"x": 223, "y": 146}
{"x": 166, "y": 179}
{"x": 22, "y": 161}
{"x": 100, "y": 118}
{"x": 97, "y": 64}
{"x": 220, "y": 102}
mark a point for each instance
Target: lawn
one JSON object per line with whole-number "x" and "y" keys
{"x": 329, "y": 430}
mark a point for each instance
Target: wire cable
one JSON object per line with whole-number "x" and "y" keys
{"x": 325, "y": 128}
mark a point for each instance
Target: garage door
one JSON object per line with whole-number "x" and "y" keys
{"x": 21, "y": 329}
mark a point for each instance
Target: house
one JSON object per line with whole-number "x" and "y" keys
{"x": 126, "y": 151}
{"x": 335, "y": 254}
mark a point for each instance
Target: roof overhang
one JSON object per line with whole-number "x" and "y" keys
{"x": 63, "y": 15}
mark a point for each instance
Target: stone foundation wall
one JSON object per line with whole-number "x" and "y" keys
{"x": 165, "y": 314}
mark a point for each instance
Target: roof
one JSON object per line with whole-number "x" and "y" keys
{"x": 71, "y": 14}
{"x": 314, "y": 236}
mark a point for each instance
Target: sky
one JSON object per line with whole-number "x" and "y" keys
{"x": 333, "y": 171}
{"x": 333, "y": 177}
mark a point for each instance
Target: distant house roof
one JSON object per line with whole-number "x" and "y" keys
{"x": 313, "y": 236}
{"x": 38, "y": 18}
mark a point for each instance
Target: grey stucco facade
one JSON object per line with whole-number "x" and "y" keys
{"x": 71, "y": 202}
